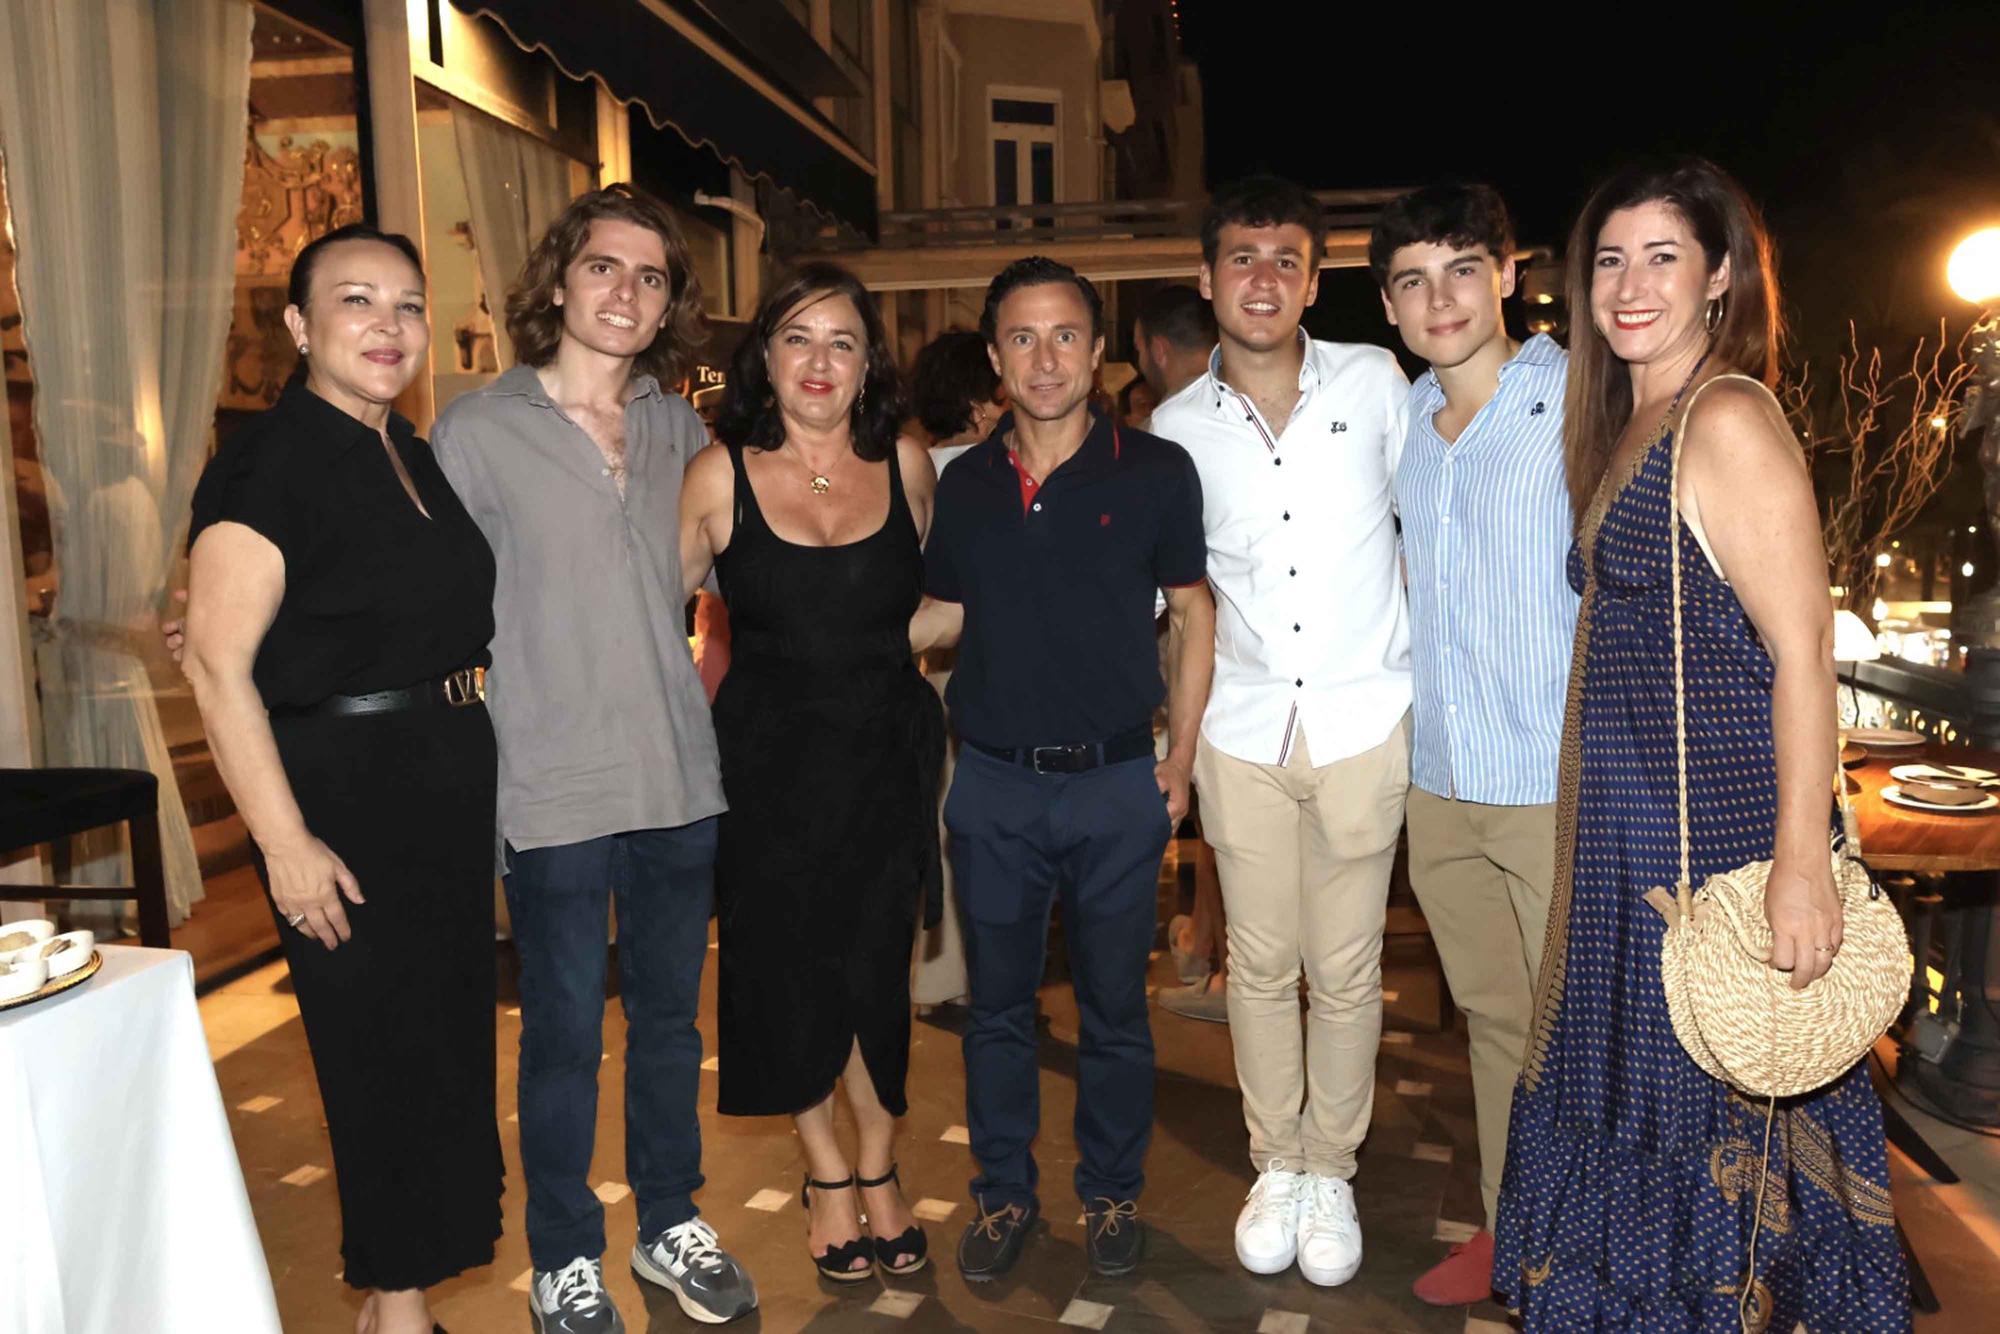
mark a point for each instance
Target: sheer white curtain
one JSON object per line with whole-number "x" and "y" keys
{"x": 516, "y": 185}
{"x": 121, "y": 127}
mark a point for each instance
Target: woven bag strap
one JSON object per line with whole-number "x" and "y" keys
{"x": 1680, "y": 653}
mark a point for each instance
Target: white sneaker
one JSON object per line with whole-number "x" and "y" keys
{"x": 1329, "y": 1231}
{"x": 1267, "y": 1231}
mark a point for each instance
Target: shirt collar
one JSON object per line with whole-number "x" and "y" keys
{"x": 1539, "y": 350}
{"x": 1100, "y": 448}
{"x": 333, "y": 424}
{"x": 1308, "y": 371}
{"x": 523, "y": 381}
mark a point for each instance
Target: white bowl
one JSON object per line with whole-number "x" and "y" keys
{"x": 18, "y": 938}
{"x": 66, "y": 953}
{"x": 21, "y": 976}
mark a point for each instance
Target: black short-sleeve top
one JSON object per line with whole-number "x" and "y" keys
{"x": 1058, "y": 583}
{"x": 377, "y": 596}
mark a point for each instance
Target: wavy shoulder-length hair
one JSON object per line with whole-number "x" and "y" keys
{"x": 750, "y": 416}
{"x": 535, "y": 321}
{"x": 1746, "y": 338}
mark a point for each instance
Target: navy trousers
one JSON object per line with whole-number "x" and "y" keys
{"x": 1018, "y": 840}
{"x": 559, "y": 898}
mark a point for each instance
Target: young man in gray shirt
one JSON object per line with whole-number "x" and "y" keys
{"x": 571, "y": 465}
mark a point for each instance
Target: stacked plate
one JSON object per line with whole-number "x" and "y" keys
{"x": 1885, "y": 740}
{"x": 1951, "y": 788}
{"x": 36, "y": 960}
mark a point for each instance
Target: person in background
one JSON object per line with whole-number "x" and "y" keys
{"x": 955, "y": 393}
{"x": 1492, "y": 617}
{"x": 1136, "y": 402}
{"x": 340, "y": 605}
{"x": 813, "y": 511}
{"x": 958, "y": 399}
{"x": 1172, "y": 337}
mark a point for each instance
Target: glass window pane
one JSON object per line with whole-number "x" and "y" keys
{"x": 1017, "y": 111}
{"x": 1042, "y": 173}
{"x": 1006, "y": 172}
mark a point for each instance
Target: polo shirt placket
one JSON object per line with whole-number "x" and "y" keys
{"x": 1058, "y": 580}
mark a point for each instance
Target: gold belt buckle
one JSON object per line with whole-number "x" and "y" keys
{"x": 465, "y": 686}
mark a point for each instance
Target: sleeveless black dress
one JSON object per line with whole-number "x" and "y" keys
{"x": 831, "y": 743}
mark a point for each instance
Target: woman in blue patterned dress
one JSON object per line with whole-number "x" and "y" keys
{"x": 1631, "y": 1178}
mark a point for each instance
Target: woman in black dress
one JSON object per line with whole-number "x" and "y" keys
{"x": 341, "y": 603}
{"x": 813, "y": 513}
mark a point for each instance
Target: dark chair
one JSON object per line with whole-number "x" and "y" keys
{"x": 46, "y": 805}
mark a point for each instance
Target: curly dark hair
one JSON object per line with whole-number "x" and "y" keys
{"x": 952, "y": 373}
{"x": 1032, "y": 272}
{"x": 749, "y": 415}
{"x": 535, "y": 321}
{"x": 1461, "y": 216}
{"x": 1262, "y": 201}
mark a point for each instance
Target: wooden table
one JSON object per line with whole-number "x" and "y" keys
{"x": 1896, "y": 838}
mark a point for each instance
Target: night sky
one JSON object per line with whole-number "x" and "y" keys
{"x": 1872, "y": 143}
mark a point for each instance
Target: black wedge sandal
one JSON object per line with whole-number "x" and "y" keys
{"x": 911, "y": 1242}
{"x": 834, "y": 1264}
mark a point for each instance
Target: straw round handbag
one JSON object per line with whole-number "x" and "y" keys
{"x": 1739, "y": 1018}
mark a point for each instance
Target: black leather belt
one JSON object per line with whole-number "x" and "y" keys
{"x": 1076, "y": 757}
{"x": 459, "y": 690}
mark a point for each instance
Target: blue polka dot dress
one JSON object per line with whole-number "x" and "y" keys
{"x": 1631, "y": 1174}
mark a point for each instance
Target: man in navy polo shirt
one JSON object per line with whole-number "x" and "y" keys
{"x": 1047, "y": 543}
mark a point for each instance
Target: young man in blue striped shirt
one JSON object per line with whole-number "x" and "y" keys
{"x": 1486, "y": 529}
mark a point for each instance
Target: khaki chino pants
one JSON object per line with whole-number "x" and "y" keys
{"x": 1304, "y": 856}
{"x": 1482, "y": 875}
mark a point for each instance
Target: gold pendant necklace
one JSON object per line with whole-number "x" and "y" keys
{"x": 820, "y": 484}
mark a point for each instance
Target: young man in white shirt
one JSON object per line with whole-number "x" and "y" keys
{"x": 1303, "y": 762}
{"x": 1486, "y": 530}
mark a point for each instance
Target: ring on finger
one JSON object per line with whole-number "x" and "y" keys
{"x": 1822, "y": 949}
{"x": 296, "y": 918}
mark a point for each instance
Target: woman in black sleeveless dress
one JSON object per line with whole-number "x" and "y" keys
{"x": 830, "y": 742}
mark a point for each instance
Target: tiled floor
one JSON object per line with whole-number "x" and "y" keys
{"x": 1417, "y": 1190}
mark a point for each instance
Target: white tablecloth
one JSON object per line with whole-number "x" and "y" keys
{"x": 122, "y": 1206}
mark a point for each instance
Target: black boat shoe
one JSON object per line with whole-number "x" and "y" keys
{"x": 992, "y": 1242}
{"x": 1114, "y": 1236}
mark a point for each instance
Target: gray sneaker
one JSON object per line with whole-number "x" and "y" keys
{"x": 572, "y": 1300}
{"x": 705, "y": 1279}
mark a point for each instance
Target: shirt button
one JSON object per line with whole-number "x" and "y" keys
{"x": 1295, "y": 627}
{"x": 1288, "y": 516}
{"x": 605, "y": 473}
{"x": 1451, "y": 708}
{"x": 1299, "y": 682}
{"x": 1294, "y": 572}
{"x": 1038, "y": 507}
{"x": 1446, "y": 519}
{"x": 1277, "y": 463}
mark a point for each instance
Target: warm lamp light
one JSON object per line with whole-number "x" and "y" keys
{"x": 1974, "y": 267}
{"x": 1853, "y": 641}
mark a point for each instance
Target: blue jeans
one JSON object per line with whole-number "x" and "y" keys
{"x": 664, "y": 884}
{"x": 1018, "y": 840}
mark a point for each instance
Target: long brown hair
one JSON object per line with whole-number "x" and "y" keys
{"x": 535, "y": 321}
{"x": 1725, "y": 222}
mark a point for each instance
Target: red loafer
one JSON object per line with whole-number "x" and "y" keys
{"x": 1463, "y": 1277}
